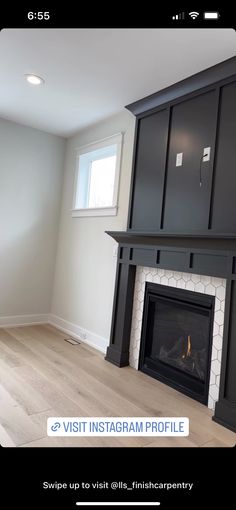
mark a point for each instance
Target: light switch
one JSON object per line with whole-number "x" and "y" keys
{"x": 206, "y": 154}
{"x": 179, "y": 159}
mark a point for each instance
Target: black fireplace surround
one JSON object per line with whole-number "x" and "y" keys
{"x": 176, "y": 339}
{"x": 182, "y": 218}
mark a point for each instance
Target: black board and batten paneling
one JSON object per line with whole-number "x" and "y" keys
{"x": 149, "y": 171}
{"x": 223, "y": 217}
{"x": 188, "y": 187}
{"x": 168, "y": 198}
{"x": 174, "y": 223}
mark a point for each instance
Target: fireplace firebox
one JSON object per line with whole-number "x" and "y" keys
{"x": 176, "y": 339}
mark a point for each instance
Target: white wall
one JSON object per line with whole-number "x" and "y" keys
{"x": 85, "y": 266}
{"x": 31, "y": 166}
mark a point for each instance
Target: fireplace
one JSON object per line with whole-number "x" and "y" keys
{"x": 176, "y": 338}
{"x": 184, "y": 224}
{"x": 182, "y": 284}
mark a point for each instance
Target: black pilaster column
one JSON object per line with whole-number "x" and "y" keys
{"x": 225, "y": 410}
{"x": 118, "y": 350}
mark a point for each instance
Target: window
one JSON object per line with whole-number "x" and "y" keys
{"x": 97, "y": 178}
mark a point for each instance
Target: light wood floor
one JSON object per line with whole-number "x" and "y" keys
{"x": 41, "y": 375}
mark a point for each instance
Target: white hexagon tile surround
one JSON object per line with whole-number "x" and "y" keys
{"x": 198, "y": 283}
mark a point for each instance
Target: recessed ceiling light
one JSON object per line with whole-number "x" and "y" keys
{"x": 34, "y": 79}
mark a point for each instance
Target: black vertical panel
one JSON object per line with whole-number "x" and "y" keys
{"x": 149, "y": 171}
{"x": 192, "y": 129}
{"x": 224, "y": 203}
{"x": 230, "y": 373}
{"x": 118, "y": 350}
{"x": 225, "y": 409}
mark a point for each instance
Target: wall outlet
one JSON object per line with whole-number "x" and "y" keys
{"x": 179, "y": 159}
{"x": 206, "y": 154}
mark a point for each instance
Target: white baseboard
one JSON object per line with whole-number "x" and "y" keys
{"x": 84, "y": 335}
{"x": 23, "y": 320}
{"x": 88, "y": 337}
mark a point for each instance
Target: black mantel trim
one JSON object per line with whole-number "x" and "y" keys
{"x": 210, "y": 241}
{"x": 132, "y": 234}
{"x": 200, "y": 80}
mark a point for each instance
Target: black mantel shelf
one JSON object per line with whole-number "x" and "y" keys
{"x": 211, "y": 241}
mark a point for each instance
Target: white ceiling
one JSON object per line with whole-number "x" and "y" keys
{"x": 91, "y": 74}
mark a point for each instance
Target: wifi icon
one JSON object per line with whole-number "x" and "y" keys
{"x": 194, "y": 14}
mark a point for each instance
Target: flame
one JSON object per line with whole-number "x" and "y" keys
{"x": 187, "y": 354}
{"x": 189, "y": 347}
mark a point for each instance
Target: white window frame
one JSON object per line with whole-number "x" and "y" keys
{"x": 99, "y": 211}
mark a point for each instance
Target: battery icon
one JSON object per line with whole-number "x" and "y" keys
{"x": 211, "y": 15}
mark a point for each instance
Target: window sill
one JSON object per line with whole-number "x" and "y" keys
{"x": 100, "y": 211}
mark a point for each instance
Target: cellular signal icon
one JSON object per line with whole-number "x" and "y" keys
{"x": 194, "y": 14}
{"x": 178, "y": 16}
